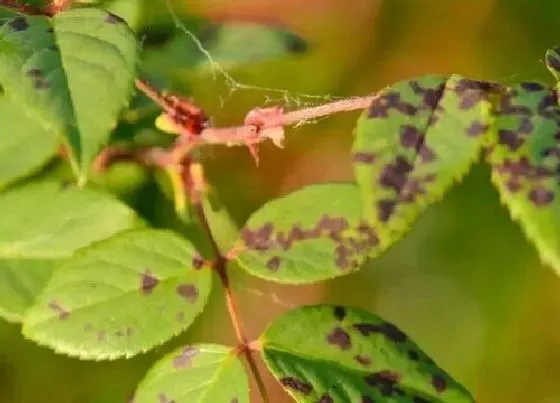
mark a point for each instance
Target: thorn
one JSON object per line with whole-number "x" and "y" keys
{"x": 254, "y": 150}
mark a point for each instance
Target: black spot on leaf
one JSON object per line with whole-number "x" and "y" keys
{"x": 510, "y": 139}
{"x": 274, "y": 263}
{"x": 532, "y": 86}
{"x": 476, "y": 129}
{"x": 340, "y": 338}
{"x": 197, "y": 261}
{"x": 413, "y": 355}
{"x": 19, "y": 24}
{"x": 325, "y": 398}
{"x": 385, "y": 209}
{"x": 388, "y": 330}
{"x": 63, "y": 314}
{"x": 295, "y": 44}
{"x": 34, "y": 73}
{"x": 188, "y": 291}
{"x": 114, "y": 19}
{"x": 148, "y": 282}
{"x": 395, "y": 175}
{"x": 184, "y": 359}
{"x": 339, "y": 313}
{"x": 410, "y": 136}
{"x": 439, "y": 383}
{"x": 541, "y": 196}
{"x": 363, "y": 360}
{"x": 296, "y": 385}
{"x": 385, "y": 381}
{"x": 363, "y": 158}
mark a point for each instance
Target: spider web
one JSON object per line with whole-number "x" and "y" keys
{"x": 270, "y": 95}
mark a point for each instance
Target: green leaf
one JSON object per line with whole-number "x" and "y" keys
{"x": 239, "y": 43}
{"x": 45, "y": 223}
{"x": 416, "y": 139}
{"x": 121, "y": 296}
{"x": 312, "y": 234}
{"x": 203, "y": 373}
{"x": 25, "y": 146}
{"x": 525, "y": 157}
{"x": 7, "y": 13}
{"x": 73, "y": 73}
{"x": 329, "y": 353}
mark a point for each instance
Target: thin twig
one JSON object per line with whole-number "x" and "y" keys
{"x": 220, "y": 266}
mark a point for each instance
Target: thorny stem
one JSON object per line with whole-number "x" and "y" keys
{"x": 265, "y": 126}
{"x": 232, "y": 307}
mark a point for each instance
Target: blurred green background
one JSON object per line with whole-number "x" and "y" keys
{"x": 464, "y": 283}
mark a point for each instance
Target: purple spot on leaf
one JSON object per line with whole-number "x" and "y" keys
{"x": 340, "y": 338}
{"x": 296, "y": 385}
{"x": 184, "y": 359}
{"x": 363, "y": 158}
{"x": 148, "y": 282}
{"x": 19, "y": 24}
{"x": 439, "y": 383}
{"x": 363, "y": 360}
{"x": 188, "y": 291}
{"x": 274, "y": 263}
{"x": 541, "y": 196}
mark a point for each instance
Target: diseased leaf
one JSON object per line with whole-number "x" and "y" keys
{"x": 44, "y": 223}
{"x": 203, "y": 373}
{"x": 239, "y": 43}
{"x": 73, "y": 73}
{"x": 312, "y": 234}
{"x": 121, "y": 296}
{"x": 525, "y": 157}
{"x": 25, "y": 146}
{"x": 336, "y": 354}
{"x": 417, "y": 138}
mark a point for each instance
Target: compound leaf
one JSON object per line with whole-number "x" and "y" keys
{"x": 25, "y": 145}
{"x": 309, "y": 235}
{"x": 44, "y": 223}
{"x": 525, "y": 161}
{"x": 329, "y": 353}
{"x": 73, "y": 73}
{"x": 204, "y": 373}
{"x": 416, "y": 139}
{"x": 121, "y": 296}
